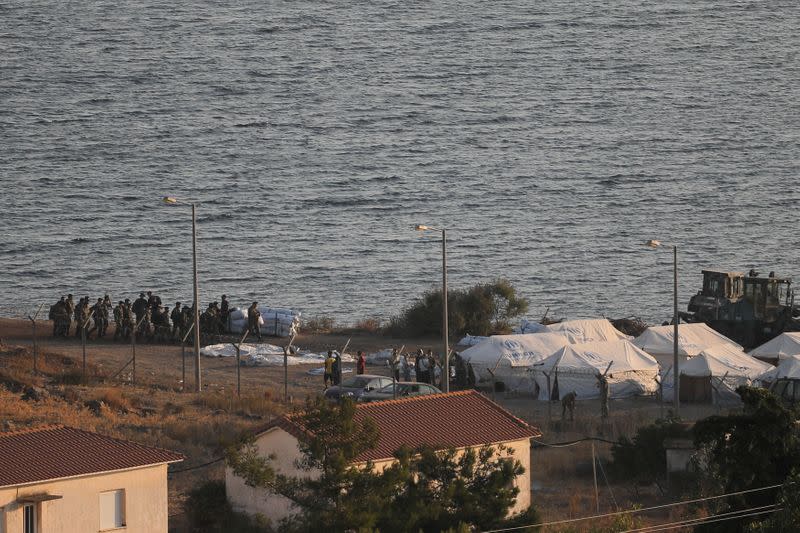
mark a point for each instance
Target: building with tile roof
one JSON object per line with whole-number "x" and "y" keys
{"x": 460, "y": 420}
{"x": 63, "y": 479}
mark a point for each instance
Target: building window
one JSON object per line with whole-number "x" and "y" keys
{"x": 29, "y": 518}
{"x": 112, "y": 509}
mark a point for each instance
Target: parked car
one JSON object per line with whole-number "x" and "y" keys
{"x": 405, "y": 389}
{"x": 356, "y": 386}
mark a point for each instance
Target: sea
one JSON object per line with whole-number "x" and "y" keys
{"x": 550, "y": 139}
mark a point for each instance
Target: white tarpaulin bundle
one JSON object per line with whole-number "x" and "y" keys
{"x": 273, "y": 321}
{"x": 510, "y": 356}
{"x": 266, "y": 355}
{"x": 575, "y": 367}
{"x": 528, "y": 326}
{"x": 692, "y": 339}
{"x": 471, "y": 340}
{"x": 781, "y": 347}
{"x": 588, "y": 330}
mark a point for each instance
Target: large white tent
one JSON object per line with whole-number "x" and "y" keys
{"x": 575, "y": 367}
{"x": 510, "y": 356}
{"x": 717, "y": 370}
{"x": 692, "y": 339}
{"x": 587, "y": 330}
{"x": 779, "y": 348}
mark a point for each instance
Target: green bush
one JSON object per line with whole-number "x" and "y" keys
{"x": 643, "y": 459}
{"x": 480, "y": 310}
{"x": 208, "y": 511}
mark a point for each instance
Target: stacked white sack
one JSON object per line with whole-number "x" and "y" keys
{"x": 276, "y": 322}
{"x": 527, "y": 326}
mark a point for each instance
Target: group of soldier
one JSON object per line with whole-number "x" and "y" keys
{"x": 146, "y": 318}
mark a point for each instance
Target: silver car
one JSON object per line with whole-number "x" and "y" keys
{"x": 405, "y": 389}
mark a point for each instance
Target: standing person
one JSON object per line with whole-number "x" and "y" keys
{"x": 405, "y": 365}
{"x": 224, "y": 311}
{"x": 128, "y": 319}
{"x": 423, "y": 368}
{"x": 361, "y": 363}
{"x": 328, "y": 376}
{"x": 431, "y": 368}
{"x": 177, "y": 317}
{"x": 461, "y": 371}
{"x": 99, "y": 316}
{"x": 70, "y": 305}
{"x": 140, "y": 305}
{"x": 253, "y": 314}
{"x": 602, "y": 383}
{"x": 337, "y": 369}
{"x": 119, "y": 314}
{"x": 394, "y": 364}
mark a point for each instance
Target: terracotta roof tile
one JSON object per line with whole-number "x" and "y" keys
{"x": 457, "y": 419}
{"x": 55, "y": 452}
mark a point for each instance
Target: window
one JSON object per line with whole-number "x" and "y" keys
{"x": 112, "y": 509}
{"x": 29, "y": 518}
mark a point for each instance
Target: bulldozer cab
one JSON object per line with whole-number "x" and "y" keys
{"x": 769, "y": 296}
{"x": 728, "y": 285}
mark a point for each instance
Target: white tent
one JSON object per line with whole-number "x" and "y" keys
{"x": 575, "y": 368}
{"x": 779, "y": 348}
{"x": 692, "y": 339}
{"x": 588, "y": 330}
{"x": 788, "y": 368}
{"x": 509, "y": 357}
{"x": 719, "y": 369}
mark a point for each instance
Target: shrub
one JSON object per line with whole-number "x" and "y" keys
{"x": 643, "y": 458}
{"x": 208, "y": 511}
{"x": 482, "y": 309}
{"x": 318, "y": 324}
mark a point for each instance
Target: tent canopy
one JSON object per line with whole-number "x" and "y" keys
{"x": 575, "y": 367}
{"x": 724, "y": 359}
{"x": 788, "y": 368}
{"x": 513, "y": 350}
{"x": 783, "y": 346}
{"x": 692, "y": 339}
{"x": 594, "y": 358}
{"x": 588, "y": 330}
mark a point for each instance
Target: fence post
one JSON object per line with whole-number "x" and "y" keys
{"x": 35, "y": 340}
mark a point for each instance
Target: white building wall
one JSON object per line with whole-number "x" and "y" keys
{"x": 78, "y": 511}
{"x": 284, "y": 446}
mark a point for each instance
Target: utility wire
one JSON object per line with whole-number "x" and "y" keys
{"x": 731, "y": 515}
{"x": 539, "y": 444}
{"x": 634, "y": 511}
{"x": 218, "y": 459}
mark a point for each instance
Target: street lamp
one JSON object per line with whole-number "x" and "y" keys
{"x": 171, "y": 200}
{"x": 446, "y": 380}
{"x": 675, "y": 373}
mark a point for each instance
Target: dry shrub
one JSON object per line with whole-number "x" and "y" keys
{"x": 113, "y": 398}
{"x": 247, "y": 404}
{"x": 370, "y": 325}
{"x": 318, "y": 324}
{"x": 207, "y": 431}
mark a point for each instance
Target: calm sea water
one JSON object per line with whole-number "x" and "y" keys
{"x": 550, "y": 138}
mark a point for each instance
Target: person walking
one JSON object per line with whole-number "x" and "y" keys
{"x": 253, "y": 315}
{"x": 405, "y": 367}
{"x": 361, "y": 363}
{"x": 328, "y": 375}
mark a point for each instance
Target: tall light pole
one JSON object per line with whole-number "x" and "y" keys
{"x": 445, "y": 335}
{"x": 171, "y": 200}
{"x": 675, "y": 372}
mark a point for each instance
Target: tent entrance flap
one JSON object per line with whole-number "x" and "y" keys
{"x": 696, "y": 389}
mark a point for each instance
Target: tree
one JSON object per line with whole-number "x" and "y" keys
{"x": 788, "y": 517}
{"x": 745, "y": 451}
{"x": 480, "y": 310}
{"x": 424, "y": 489}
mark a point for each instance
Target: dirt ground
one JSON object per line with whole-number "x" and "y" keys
{"x": 196, "y": 425}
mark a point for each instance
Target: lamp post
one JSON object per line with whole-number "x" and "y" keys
{"x": 445, "y": 340}
{"x": 171, "y": 200}
{"x": 675, "y": 372}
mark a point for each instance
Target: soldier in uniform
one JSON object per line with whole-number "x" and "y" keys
{"x": 70, "y": 307}
{"x": 253, "y": 314}
{"x": 99, "y": 316}
{"x": 140, "y": 306}
{"x": 188, "y": 319}
{"x": 177, "y": 320}
{"x": 119, "y": 324}
{"x": 568, "y": 403}
{"x": 81, "y": 315}
{"x": 224, "y": 311}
